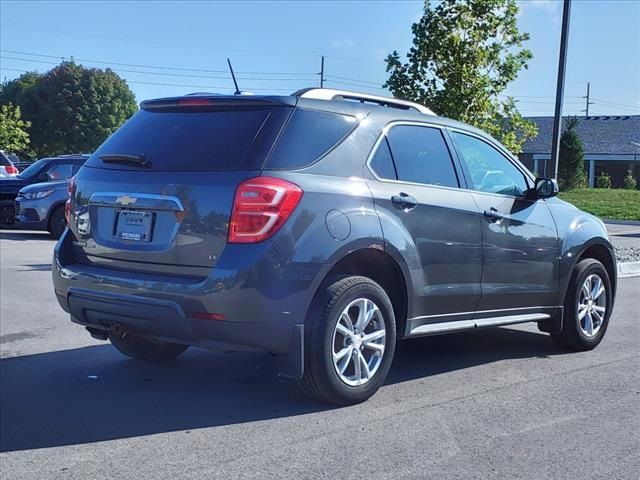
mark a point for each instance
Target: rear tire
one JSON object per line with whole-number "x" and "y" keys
{"x": 7, "y": 213}
{"x": 145, "y": 348}
{"x": 57, "y": 222}
{"x": 587, "y": 307}
{"x": 338, "y": 338}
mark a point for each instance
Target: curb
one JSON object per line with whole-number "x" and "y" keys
{"x": 628, "y": 269}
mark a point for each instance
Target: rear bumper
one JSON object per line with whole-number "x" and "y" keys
{"x": 257, "y": 316}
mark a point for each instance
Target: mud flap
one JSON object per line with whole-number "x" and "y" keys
{"x": 291, "y": 365}
{"x": 554, "y": 324}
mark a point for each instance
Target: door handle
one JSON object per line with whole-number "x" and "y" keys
{"x": 494, "y": 215}
{"x": 404, "y": 201}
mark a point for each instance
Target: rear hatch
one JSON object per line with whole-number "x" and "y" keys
{"x": 157, "y": 195}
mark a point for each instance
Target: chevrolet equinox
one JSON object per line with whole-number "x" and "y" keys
{"x": 320, "y": 227}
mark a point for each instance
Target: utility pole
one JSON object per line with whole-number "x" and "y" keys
{"x": 588, "y": 102}
{"x": 562, "y": 64}
{"x": 322, "y": 72}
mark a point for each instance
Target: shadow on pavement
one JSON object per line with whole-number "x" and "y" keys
{"x": 94, "y": 394}
{"x": 25, "y": 235}
{"x": 36, "y": 267}
{"x": 627, "y": 235}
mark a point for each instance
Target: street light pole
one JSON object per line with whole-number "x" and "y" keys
{"x": 562, "y": 64}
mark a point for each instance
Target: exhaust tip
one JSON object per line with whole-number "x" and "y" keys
{"x": 117, "y": 329}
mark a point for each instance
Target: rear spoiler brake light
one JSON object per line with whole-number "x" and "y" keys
{"x": 206, "y": 103}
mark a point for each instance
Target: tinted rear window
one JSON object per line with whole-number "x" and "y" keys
{"x": 309, "y": 134}
{"x": 190, "y": 141}
{"x": 421, "y": 155}
{"x": 4, "y": 160}
{"x": 382, "y": 161}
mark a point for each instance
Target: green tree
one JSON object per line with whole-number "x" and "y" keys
{"x": 71, "y": 108}
{"x": 14, "y": 137}
{"x": 603, "y": 180}
{"x": 571, "y": 172}
{"x": 464, "y": 55}
{"x": 630, "y": 182}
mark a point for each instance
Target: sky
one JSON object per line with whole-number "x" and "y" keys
{"x": 171, "y": 48}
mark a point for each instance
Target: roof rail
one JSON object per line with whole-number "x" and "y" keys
{"x": 331, "y": 94}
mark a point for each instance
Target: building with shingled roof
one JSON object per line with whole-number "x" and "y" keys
{"x": 611, "y": 144}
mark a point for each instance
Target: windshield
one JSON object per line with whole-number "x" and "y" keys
{"x": 33, "y": 169}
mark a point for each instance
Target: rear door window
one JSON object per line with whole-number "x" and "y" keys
{"x": 382, "y": 162}
{"x": 191, "y": 140}
{"x": 309, "y": 135}
{"x": 421, "y": 155}
{"x": 60, "y": 171}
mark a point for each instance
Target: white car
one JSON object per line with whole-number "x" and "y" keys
{"x": 6, "y": 166}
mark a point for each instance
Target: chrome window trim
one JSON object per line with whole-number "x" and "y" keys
{"x": 529, "y": 178}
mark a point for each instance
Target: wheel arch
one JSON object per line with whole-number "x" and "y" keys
{"x": 598, "y": 249}
{"x": 52, "y": 209}
{"x": 604, "y": 254}
{"x": 383, "y": 269}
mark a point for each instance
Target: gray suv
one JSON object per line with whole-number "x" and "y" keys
{"x": 321, "y": 227}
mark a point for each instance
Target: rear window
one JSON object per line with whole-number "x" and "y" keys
{"x": 4, "y": 159}
{"x": 309, "y": 134}
{"x": 191, "y": 140}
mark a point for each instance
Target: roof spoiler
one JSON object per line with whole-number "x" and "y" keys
{"x": 331, "y": 94}
{"x": 206, "y": 101}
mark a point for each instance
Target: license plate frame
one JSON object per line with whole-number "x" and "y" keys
{"x": 134, "y": 225}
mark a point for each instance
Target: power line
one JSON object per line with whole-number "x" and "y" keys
{"x": 353, "y": 85}
{"x": 537, "y": 96}
{"x": 215, "y": 87}
{"x": 355, "y": 80}
{"x": 206, "y": 86}
{"x": 151, "y": 66}
{"x": 190, "y": 75}
{"x": 614, "y": 104}
{"x": 152, "y": 42}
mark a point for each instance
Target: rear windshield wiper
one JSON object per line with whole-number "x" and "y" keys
{"x": 139, "y": 160}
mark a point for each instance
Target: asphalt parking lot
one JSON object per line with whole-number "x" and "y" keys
{"x": 502, "y": 403}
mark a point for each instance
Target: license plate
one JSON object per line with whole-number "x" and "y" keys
{"x": 134, "y": 225}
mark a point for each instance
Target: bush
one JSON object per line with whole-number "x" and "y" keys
{"x": 571, "y": 172}
{"x": 630, "y": 182}
{"x": 603, "y": 180}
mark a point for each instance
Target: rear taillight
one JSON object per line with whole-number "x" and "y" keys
{"x": 11, "y": 170}
{"x": 67, "y": 205}
{"x": 260, "y": 208}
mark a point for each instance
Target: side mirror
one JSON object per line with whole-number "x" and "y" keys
{"x": 43, "y": 177}
{"x": 545, "y": 188}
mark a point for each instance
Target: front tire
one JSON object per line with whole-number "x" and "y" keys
{"x": 587, "y": 307}
{"x": 57, "y": 222}
{"x": 146, "y": 348}
{"x": 350, "y": 341}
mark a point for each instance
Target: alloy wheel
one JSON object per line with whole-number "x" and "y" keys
{"x": 358, "y": 342}
{"x": 592, "y": 305}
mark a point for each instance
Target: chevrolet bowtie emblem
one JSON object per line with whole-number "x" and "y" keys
{"x": 126, "y": 200}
